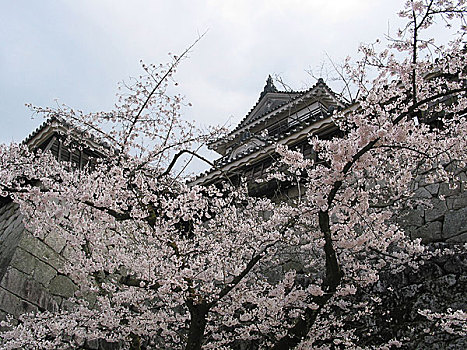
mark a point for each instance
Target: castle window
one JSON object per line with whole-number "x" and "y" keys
{"x": 278, "y": 129}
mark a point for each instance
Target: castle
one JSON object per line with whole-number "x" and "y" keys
{"x": 30, "y": 277}
{"x": 278, "y": 117}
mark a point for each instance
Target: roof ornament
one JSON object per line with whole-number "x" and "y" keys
{"x": 269, "y": 87}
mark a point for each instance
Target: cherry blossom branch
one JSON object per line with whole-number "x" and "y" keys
{"x": 193, "y": 154}
{"x": 117, "y": 215}
{"x": 177, "y": 156}
{"x": 158, "y": 84}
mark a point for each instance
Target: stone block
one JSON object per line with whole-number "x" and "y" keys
{"x": 55, "y": 241}
{"x": 43, "y": 273}
{"x": 14, "y": 208}
{"x": 411, "y": 217}
{"x": 8, "y": 245}
{"x": 455, "y": 223}
{"x": 90, "y": 297}
{"x": 58, "y": 300}
{"x": 14, "y": 305}
{"x": 446, "y": 189}
{"x": 11, "y": 232}
{"x": 429, "y": 232}
{"x": 23, "y": 261}
{"x": 62, "y": 286}
{"x": 460, "y": 201}
{"x": 437, "y": 210}
{"x": 18, "y": 222}
{"x": 462, "y": 238}
{"x": 68, "y": 253}
{"x": 452, "y": 167}
{"x": 17, "y": 282}
{"x": 92, "y": 344}
{"x": 432, "y": 188}
{"x": 105, "y": 345}
{"x": 421, "y": 181}
{"x": 27, "y": 289}
{"x": 67, "y": 305}
{"x": 450, "y": 203}
{"x": 422, "y": 192}
{"x": 11, "y": 219}
{"x": 40, "y": 250}
{"x": 409, "y": 230}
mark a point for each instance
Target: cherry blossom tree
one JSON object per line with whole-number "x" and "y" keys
{"x": 157, "y": 263}
{"x": 408, "y": 122}
{"x": 162, "y": 264}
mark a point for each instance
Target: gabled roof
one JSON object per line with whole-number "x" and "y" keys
{"x": 259, "y": 114}
{"x": 295, "y": 103}
{"x": 56, "y": 125}
{"x": 44, "y": 131}
{"x": 269, "y": 99}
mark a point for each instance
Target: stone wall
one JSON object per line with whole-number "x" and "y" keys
{"x": 29, "y": 268}
{"x": 438, "y": 285}
{"x": 443, "y": 218}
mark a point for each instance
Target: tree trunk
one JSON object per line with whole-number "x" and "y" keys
{"x": 332, "y": 280}
{"x": 198, "y": 315}
{"x": 333, "y": 270}
{"x": 135, "y": 343}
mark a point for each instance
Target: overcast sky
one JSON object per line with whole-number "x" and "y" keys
{"x": 76, "y": 51}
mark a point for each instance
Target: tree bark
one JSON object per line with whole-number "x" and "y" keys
{"x": 135, "y": 343}
{"x": 198, "y": 321}
{"x": 333, "y": 270}
{"x": 332, "y": 280}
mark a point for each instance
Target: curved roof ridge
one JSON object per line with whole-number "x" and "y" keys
{"x": 319, "y": 82}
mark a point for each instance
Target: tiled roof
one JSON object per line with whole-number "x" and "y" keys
{"x": 320, "y": 82}
{"x": 300, "y": 94}
{"x": 223, "y": 161}
{"x": 41, "y": 127}
{"x": 58, "y": 124}
{"x": 245, "y": 118}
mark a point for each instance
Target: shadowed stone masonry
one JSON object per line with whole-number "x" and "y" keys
{"x": 29, "y": 268}
{"x": 442, "y": 215}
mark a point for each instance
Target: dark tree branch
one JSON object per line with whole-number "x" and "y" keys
{"x": 158, "y": 84}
